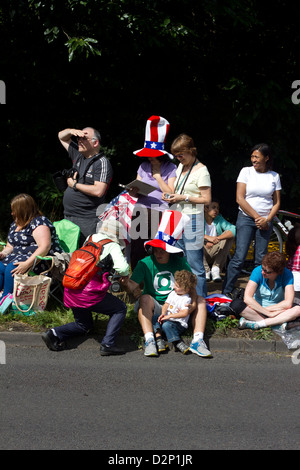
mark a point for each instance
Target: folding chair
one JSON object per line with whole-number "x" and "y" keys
{"x": 68, "y": 235}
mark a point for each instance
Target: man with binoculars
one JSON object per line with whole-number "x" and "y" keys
{"x": 89, "y": 180}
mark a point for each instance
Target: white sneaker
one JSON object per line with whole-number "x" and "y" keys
{"x": 215, "y": 274}
{"x": 150, "y": 348}
{"x": 199, "y": 347}
{"x": 243, "y": 323}
{"x": 207, "y": 275}
{"x": 280, "y": 328}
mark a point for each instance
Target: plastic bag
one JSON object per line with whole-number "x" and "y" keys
{"x": 291, "y": 338}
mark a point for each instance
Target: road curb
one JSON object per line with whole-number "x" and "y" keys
{"x": 14, "y": 338}
{"x": 246, "y": 345}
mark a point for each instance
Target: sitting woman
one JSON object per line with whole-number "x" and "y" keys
{"x": 30, "y": 235}
{"x": 269, "y": 295}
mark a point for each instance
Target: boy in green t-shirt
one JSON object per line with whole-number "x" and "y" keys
{"x": 158, "y": 276}
{"x": 156, "y": 272}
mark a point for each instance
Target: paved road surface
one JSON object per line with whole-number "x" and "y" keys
{"x": 77, "y": 399}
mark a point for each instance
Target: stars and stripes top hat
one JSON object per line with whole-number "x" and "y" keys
{"x": 156, "y": 132}
{"x": 169, "y": 231}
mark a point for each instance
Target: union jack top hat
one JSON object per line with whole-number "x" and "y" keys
{"x": 156, "y": 132}
{"x": 169, "y": 231}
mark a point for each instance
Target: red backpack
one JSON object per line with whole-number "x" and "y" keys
{"x": 83, "y": 264}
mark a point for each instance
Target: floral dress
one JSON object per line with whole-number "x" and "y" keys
{"x": 24, "y": 244}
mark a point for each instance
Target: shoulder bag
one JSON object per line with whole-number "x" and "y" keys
{"x": 31, "y": 292}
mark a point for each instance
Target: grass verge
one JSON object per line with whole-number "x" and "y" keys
{"x": 57, "y": 315}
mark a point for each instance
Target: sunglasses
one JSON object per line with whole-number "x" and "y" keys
{"x": 265, "y": 271}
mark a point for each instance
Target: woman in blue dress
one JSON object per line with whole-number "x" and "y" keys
{"x": 30, "y": 235}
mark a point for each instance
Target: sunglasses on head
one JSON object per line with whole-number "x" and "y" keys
{"x": 265, "y": 271}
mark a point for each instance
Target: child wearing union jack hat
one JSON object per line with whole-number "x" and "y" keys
{"x": 156, "y": 273}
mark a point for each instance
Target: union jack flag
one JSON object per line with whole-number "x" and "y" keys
{"x": 120, "y": 208}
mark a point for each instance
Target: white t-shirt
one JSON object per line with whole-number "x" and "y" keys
{"x": 259, "y": 188}
{"x": 211, "y": 230}
{"x": 197, "y": 179}
{"x": 176, "y": 303}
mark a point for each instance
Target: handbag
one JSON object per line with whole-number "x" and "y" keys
{"x": 31, "y": 292}
{"x": 60, "y": 180}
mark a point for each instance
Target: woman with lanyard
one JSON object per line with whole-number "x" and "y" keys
{"x": 192, "y": 192}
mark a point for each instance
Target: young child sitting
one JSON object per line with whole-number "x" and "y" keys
{"x": 173, "y": 320}
{"x": 218, "y": 239}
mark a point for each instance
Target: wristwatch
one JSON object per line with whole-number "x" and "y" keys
{"x": 187, "y": 198}
{"x": 74, "y": 186}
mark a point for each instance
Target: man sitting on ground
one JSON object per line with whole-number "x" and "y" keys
{"x": 156, "y": 272}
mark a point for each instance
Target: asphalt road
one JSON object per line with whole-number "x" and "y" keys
{"x": 77, "y": 399}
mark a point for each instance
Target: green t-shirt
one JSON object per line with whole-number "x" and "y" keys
{"x": 158, "y": 278}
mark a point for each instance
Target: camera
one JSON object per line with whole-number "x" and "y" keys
{"x": 69, "y": 173}
{"x": 115, "y": 284}
{"x": 60, "y": 178}
{"x": 106, "y": 265}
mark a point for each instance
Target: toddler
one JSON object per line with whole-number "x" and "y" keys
{"x": 173, "y": 320}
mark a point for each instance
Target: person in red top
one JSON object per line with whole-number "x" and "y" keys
{"x": 292, "y": 249}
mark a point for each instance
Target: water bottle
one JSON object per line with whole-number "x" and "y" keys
{"x": 288, "y": 225}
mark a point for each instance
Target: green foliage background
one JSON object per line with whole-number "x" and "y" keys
{"x": 222, "y": 71}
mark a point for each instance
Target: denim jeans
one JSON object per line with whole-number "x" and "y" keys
{"x": 110, "y": 305}
{"x": 6, "y": 278}
{"x": 246, "y": 231}
{"x": 192, "y": 239}
{"x": 172, "y": 329}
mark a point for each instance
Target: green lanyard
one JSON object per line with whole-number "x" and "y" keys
{"x": 184, "y": 180}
